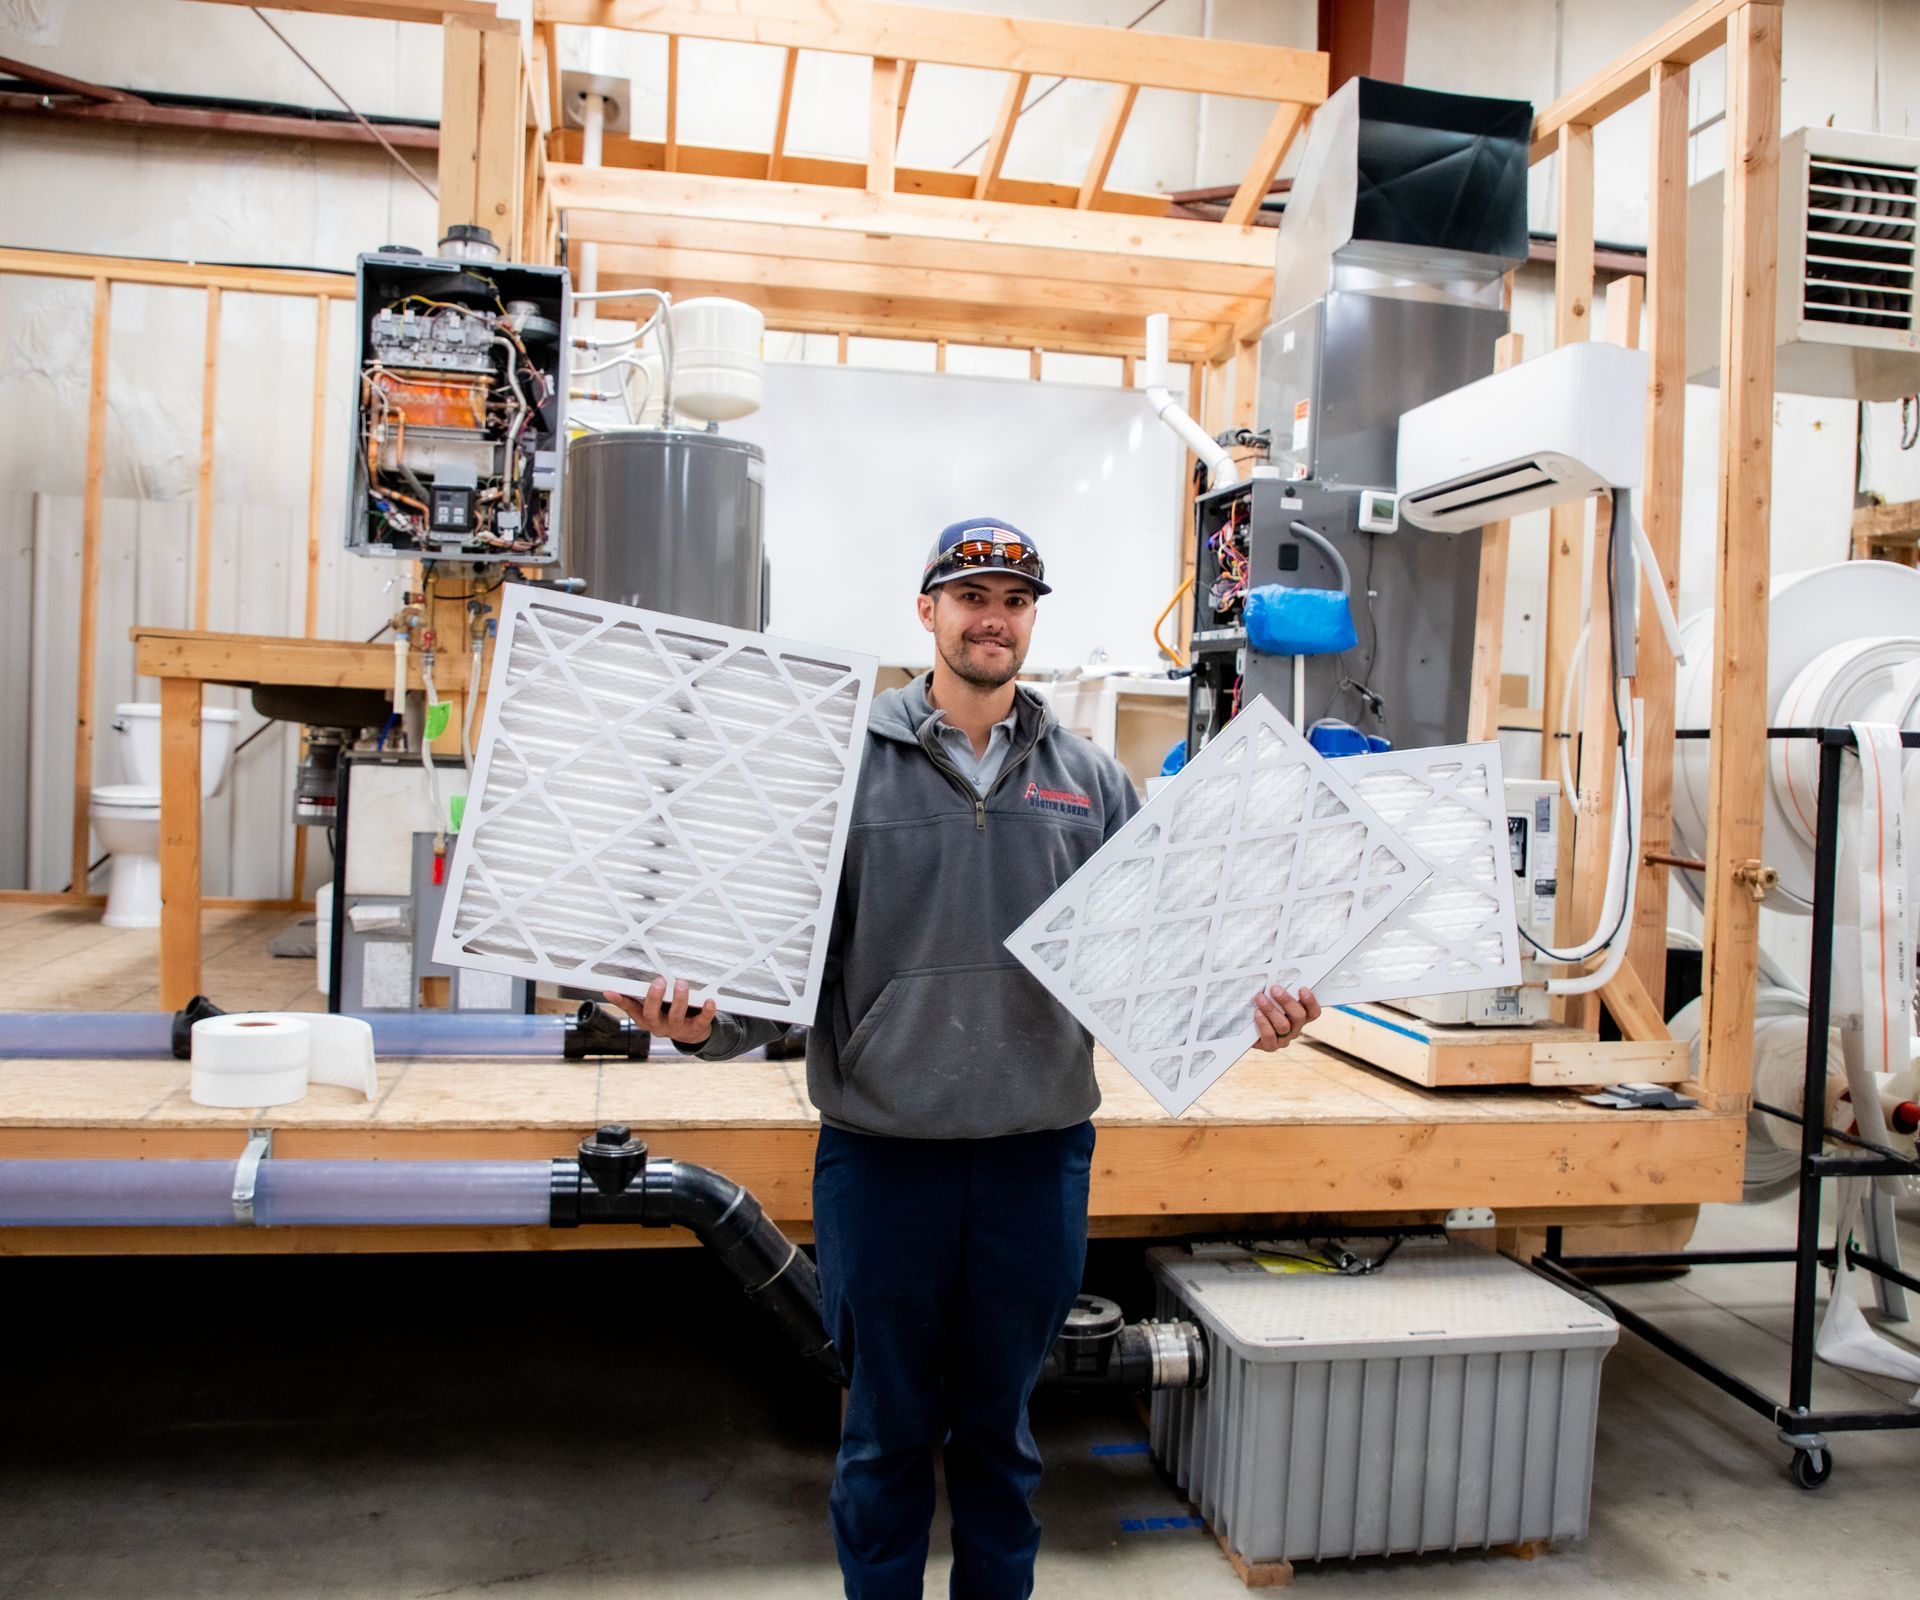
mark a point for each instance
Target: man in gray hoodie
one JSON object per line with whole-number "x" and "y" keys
{"x": 950, "y": 1184}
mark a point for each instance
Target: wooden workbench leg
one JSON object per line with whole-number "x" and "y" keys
{"x": 179, "y": 841}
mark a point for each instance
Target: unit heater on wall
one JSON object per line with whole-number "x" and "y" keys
{"x": 1845, "y": 310}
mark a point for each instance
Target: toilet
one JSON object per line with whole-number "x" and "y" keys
{"x": 126, "y": 816}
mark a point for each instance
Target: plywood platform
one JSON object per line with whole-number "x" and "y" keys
{"x": 1307, "y": 1132}
{"x": 1545, "y": 1055}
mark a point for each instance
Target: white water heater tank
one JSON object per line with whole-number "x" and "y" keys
{"x": 718, "y": 369}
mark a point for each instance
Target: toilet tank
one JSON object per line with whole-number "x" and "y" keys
{"x": 136, "y": 728}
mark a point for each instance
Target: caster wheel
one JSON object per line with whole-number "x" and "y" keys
{"x": 1811, "y": 1468}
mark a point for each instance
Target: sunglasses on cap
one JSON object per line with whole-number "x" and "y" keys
{"x": 1008, "y": 555}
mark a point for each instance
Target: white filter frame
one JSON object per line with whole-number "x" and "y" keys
{"x": 1207, "y": 895}
{"x": 684, "y": 884}
{"x": 1464, "y": 911}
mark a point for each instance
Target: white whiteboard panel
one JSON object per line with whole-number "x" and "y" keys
{"x": 864, "y": 467}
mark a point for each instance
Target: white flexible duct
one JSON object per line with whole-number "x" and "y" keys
{"x": 1850, "y": 607}
{"x": 1220, "y": 468}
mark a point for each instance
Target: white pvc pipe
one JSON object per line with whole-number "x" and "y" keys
{"x": 400, "y": 676}
{"x": 1617, "y": 903}
{"x": 1657, "y": 582}
{"x": 592, "y": 137}
{"x": 1220, "y": 468}
{"x": 472, "y": 707}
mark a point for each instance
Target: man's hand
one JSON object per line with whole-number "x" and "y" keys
{"x": 1279, "y": 1014}
{"x": 668, "y": 1019}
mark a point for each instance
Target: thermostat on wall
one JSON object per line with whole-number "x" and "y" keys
{"x": 1379, "y": 511}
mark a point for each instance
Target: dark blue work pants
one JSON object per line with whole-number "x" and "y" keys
{"x": 947, "y": 1268}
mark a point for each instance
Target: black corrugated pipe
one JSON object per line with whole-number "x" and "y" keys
{"x": 777, "y": 1275}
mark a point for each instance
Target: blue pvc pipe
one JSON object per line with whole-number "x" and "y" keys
{"x": 53, "y": 1035}
{"x": 287, "y": 1194}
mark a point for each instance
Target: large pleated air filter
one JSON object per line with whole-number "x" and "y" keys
{"x": 656, "y": 797}
{"x": 1258, "y": 864}
{"x": 1457, "y": 930}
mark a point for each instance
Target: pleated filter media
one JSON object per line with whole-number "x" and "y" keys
{"x": 657, "y": 797}
{"x": 1260, "y": 863}
{"x": 1457, "y": 930}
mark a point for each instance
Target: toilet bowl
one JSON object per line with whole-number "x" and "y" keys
{"x": 126, "y": 816}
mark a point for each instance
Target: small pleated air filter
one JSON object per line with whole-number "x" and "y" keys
{"x": 1258, "y": 864}
{"x": 1457, "y": 930}
{"x": 657, "y": 797}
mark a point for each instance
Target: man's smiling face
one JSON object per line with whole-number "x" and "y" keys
{"x": 981, "y": 625}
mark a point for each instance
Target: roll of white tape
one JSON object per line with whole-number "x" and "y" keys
{"x": 340, "y": 1051}
{"x": 250, "y": 1059}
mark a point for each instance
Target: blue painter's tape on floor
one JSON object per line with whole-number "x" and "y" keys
{"x": 1158, "y": 1524}
{"x": 1138, "y": 1448}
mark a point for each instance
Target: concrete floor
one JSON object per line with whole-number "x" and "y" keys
{"x": 593, "y": 1425}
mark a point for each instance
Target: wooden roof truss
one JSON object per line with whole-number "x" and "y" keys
{"x": 872, "y": 248}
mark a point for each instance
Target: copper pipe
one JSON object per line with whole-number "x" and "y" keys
{"x": 1687, "y": 863}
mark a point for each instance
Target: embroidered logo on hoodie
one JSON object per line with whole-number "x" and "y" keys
{"x": 1065, "y": 800}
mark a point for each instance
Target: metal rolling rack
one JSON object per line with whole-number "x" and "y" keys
{"x": 1801, "y": 1427}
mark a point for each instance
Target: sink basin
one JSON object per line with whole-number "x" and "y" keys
{"x": 320, "y": 707}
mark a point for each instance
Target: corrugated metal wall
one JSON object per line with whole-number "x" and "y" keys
{"x": 256, "y": 585}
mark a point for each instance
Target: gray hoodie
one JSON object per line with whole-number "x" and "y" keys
{"x": 927, "y": 1027}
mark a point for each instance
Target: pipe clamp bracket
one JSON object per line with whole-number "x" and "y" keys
{"x": 246, "y": 1174}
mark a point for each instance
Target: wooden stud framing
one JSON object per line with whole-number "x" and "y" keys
{"x": 87, "y": 634}
{"x": 673, "y": 102}
{"x": 428, "y": 11}
{"x": 1660, "y": 511}
{"x": 659, "y": 194}
{"x": 992, "y": 297}
{"x": 783, "y": 115}
{"x": 1738, "y": 754}
{"x": 175, "y": 274}
{"x": 906, "y": 88}
{"x": 1288, "y": 119}
{"x": 459, "y": 124}
{"x": 316, "y": 462}
{"x": 1490, "y": 607}
{"x": 1246, "y": 385}
{"x": 1001, "y": 137}
{"x": 621, "y": 153}
{"x": 1681, "y": 40}
{"x": 883, "y": 126}
{"x": 1598, "y": 753}
{"x": 499, "y": 131}
{"x": 1119, "y": 109}
{"x": 1026, "y": 45}
{"x": 203, "y": 524}
{"x": 546, "y": 56}
{"x": 1572, "y": 317}
{"x": 1200, "y": 289}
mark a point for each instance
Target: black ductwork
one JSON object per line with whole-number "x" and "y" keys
{"x": 613, "y": 1181}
